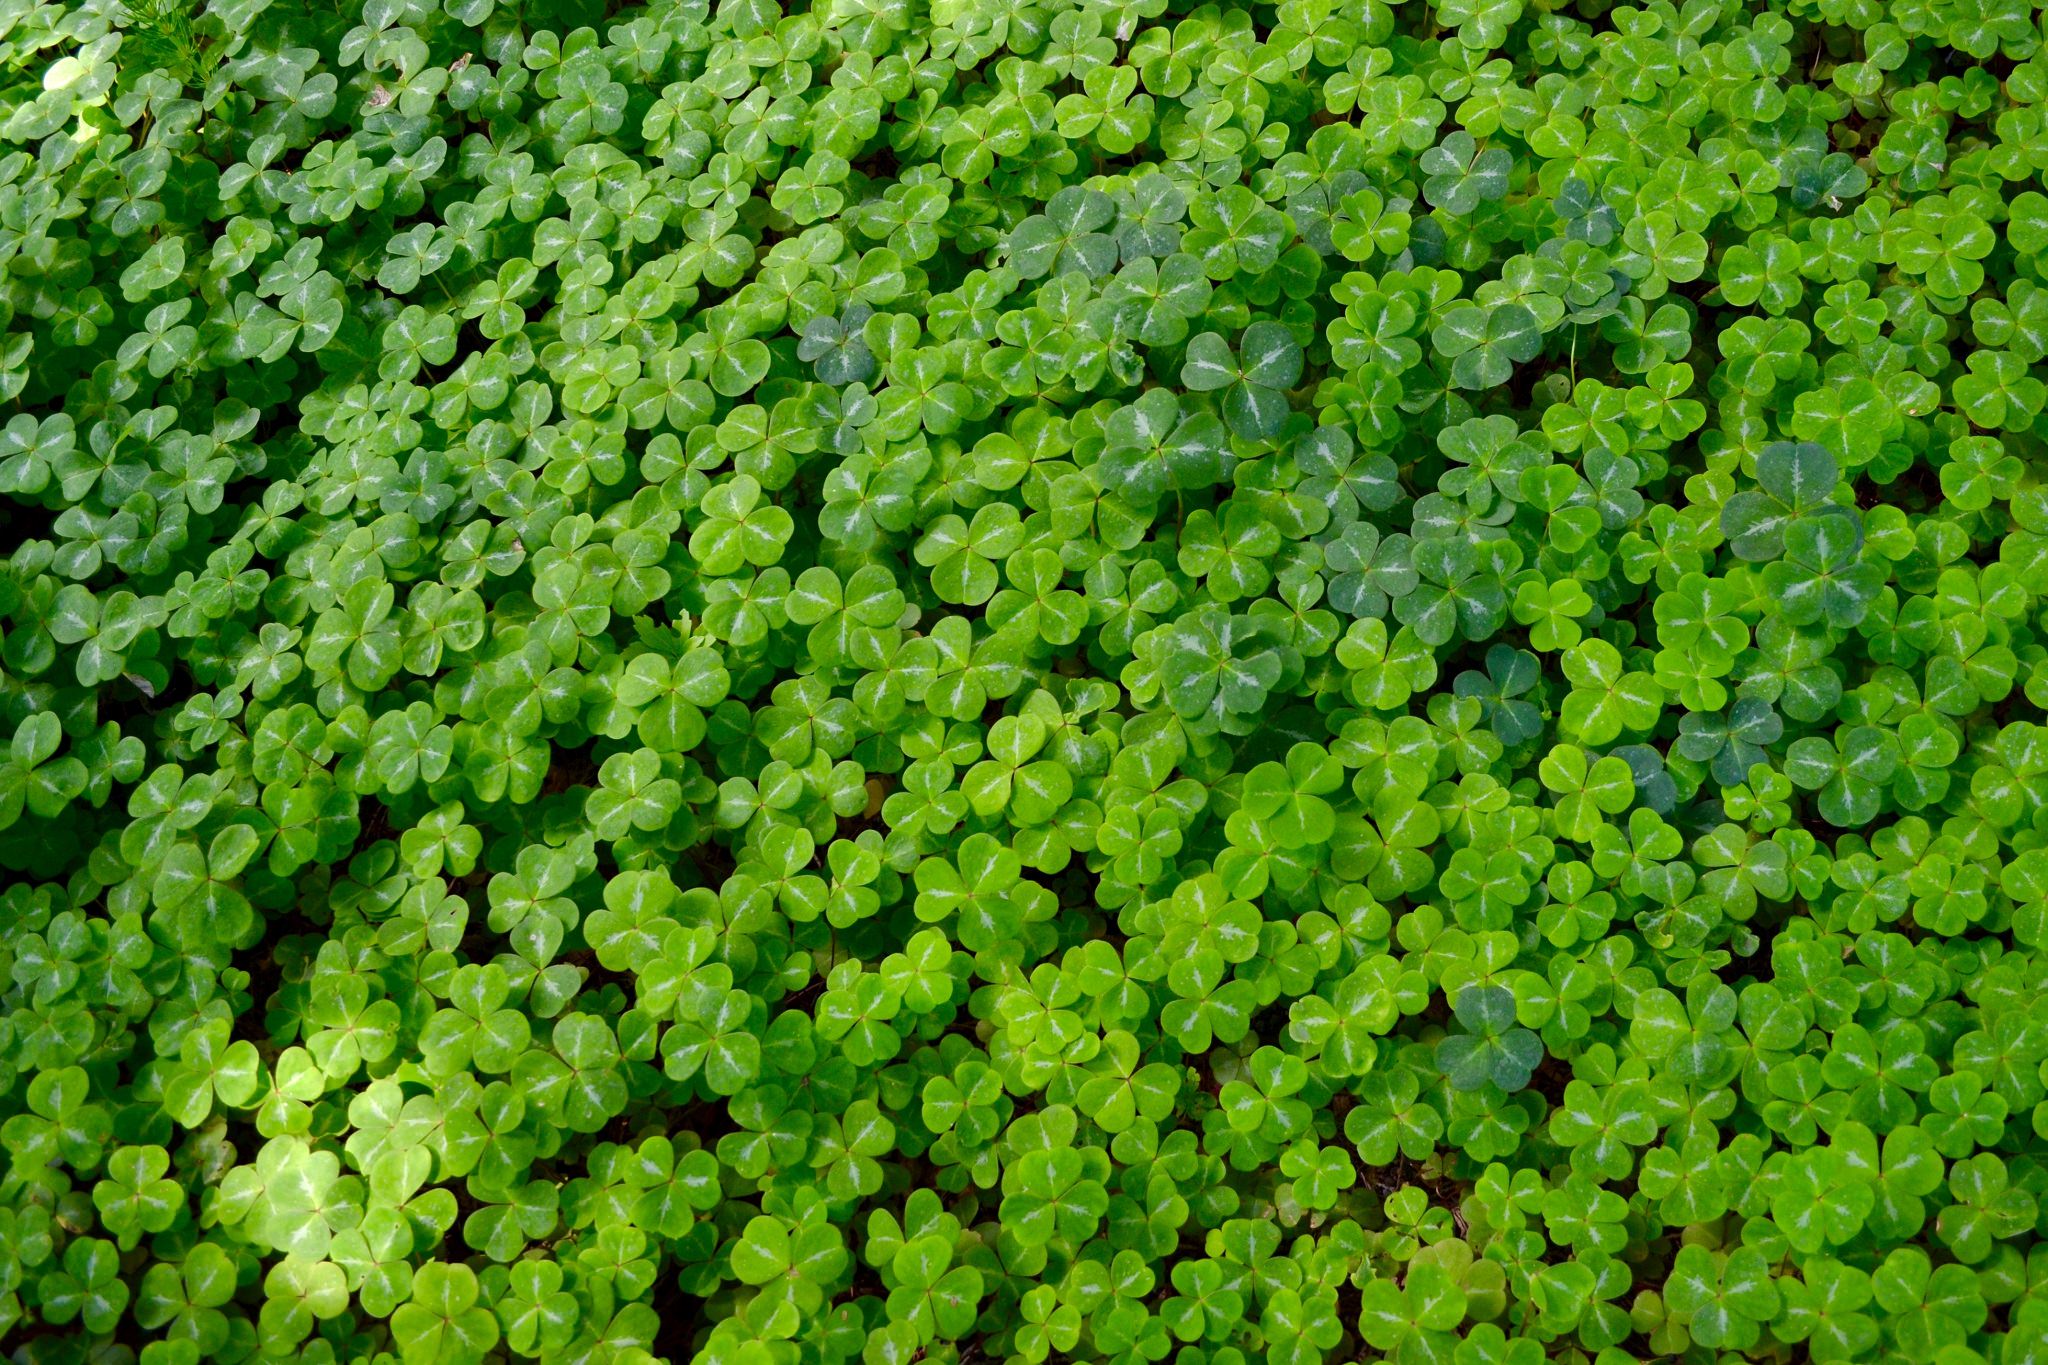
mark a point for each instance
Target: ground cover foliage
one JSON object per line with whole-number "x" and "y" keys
{"x": 1022, "y": 681}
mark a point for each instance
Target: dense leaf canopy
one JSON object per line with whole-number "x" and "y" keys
{"x": 1001, "y": 682}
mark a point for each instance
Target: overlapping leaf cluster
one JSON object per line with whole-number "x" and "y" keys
{"x": 1023, "y": 680}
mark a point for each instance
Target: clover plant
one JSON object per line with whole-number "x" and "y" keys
{"x": 1023, "y": 682}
